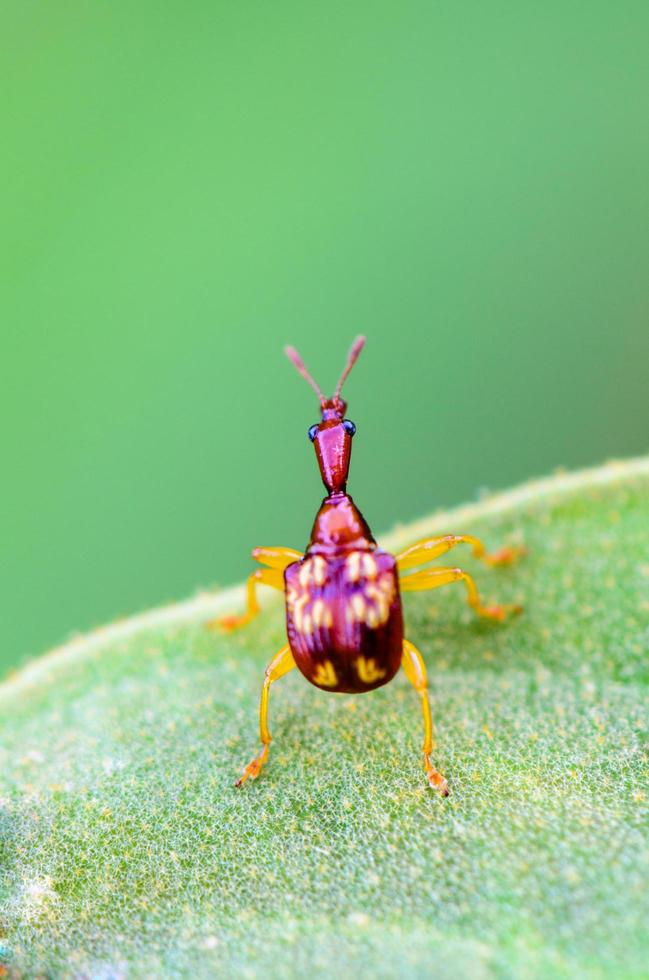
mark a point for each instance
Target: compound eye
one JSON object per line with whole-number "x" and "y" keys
{"x": 313, "y": 431}
{"x": 349, "y": 426}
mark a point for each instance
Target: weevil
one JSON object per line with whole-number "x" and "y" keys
{"x": 344, "y": 617}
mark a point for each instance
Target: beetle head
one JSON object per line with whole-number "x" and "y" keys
{"x": 332, "y": 436}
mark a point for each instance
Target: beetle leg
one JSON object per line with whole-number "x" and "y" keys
{"x": 433, "y": 578}
{"x": 263, "y": 576}
{"x": 415, "y": 670}
{"x": 429, "y": 548}
{"x": 277, "y": 559}
{"x": 281, "y": 663}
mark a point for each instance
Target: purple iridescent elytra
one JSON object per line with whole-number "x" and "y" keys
{"x": 343, "y": 608}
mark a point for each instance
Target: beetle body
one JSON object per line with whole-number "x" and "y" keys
{"x": 344, "y": 620}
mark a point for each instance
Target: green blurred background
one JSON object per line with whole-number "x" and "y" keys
{"x": 189, "y": 186}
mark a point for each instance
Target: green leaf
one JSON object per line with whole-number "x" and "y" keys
{"x": 126, "y": 849}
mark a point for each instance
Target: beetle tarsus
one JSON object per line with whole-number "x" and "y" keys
{"x": 253, "y": 768}
{"x": 228, "y": 624}
{"x": 500, "y": 613}
{"x": 505, "y": 556}
{"x": 435, "y": 779}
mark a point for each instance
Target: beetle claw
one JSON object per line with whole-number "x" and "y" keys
{"x": 250, "y": 772}
{"x": 439, "y": 784}
{"x": 435, "y": 779}
{"x": 253, "y": 768}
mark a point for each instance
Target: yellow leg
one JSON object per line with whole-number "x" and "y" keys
{"x": 433, "y": 578}
{"x": 415, "y": 670}
{"x": 277, "y": 559}
{"x": 430, "y": 548}
{"x": 281, "y": 663}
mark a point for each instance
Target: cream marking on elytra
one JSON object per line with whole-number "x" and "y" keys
{"x": 306, "y": 617}
{"x": 325, "y": 675}
{"x": 381, "y": 602}
{"x": 322, "y": 615}
{"x": 298, "y": 611}
{"x": 319, "y": 570}
{"x": 358, "y": 607}
{"x": 371, "y": 605}
{"x": 370, "y": 568}
{"x": 317, "y": 612}
{"x": 372, "y": 617}
{"x": 353, "y": 564}
{"x": 367, "y": 670}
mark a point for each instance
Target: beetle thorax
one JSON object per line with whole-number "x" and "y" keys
{"x": 339, "y": 528}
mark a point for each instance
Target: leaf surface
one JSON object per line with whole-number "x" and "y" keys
{"x": 126, "y": 851}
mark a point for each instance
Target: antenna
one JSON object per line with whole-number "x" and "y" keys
{"x": 297, "y": 361}
{"x": 356, "y": 348}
